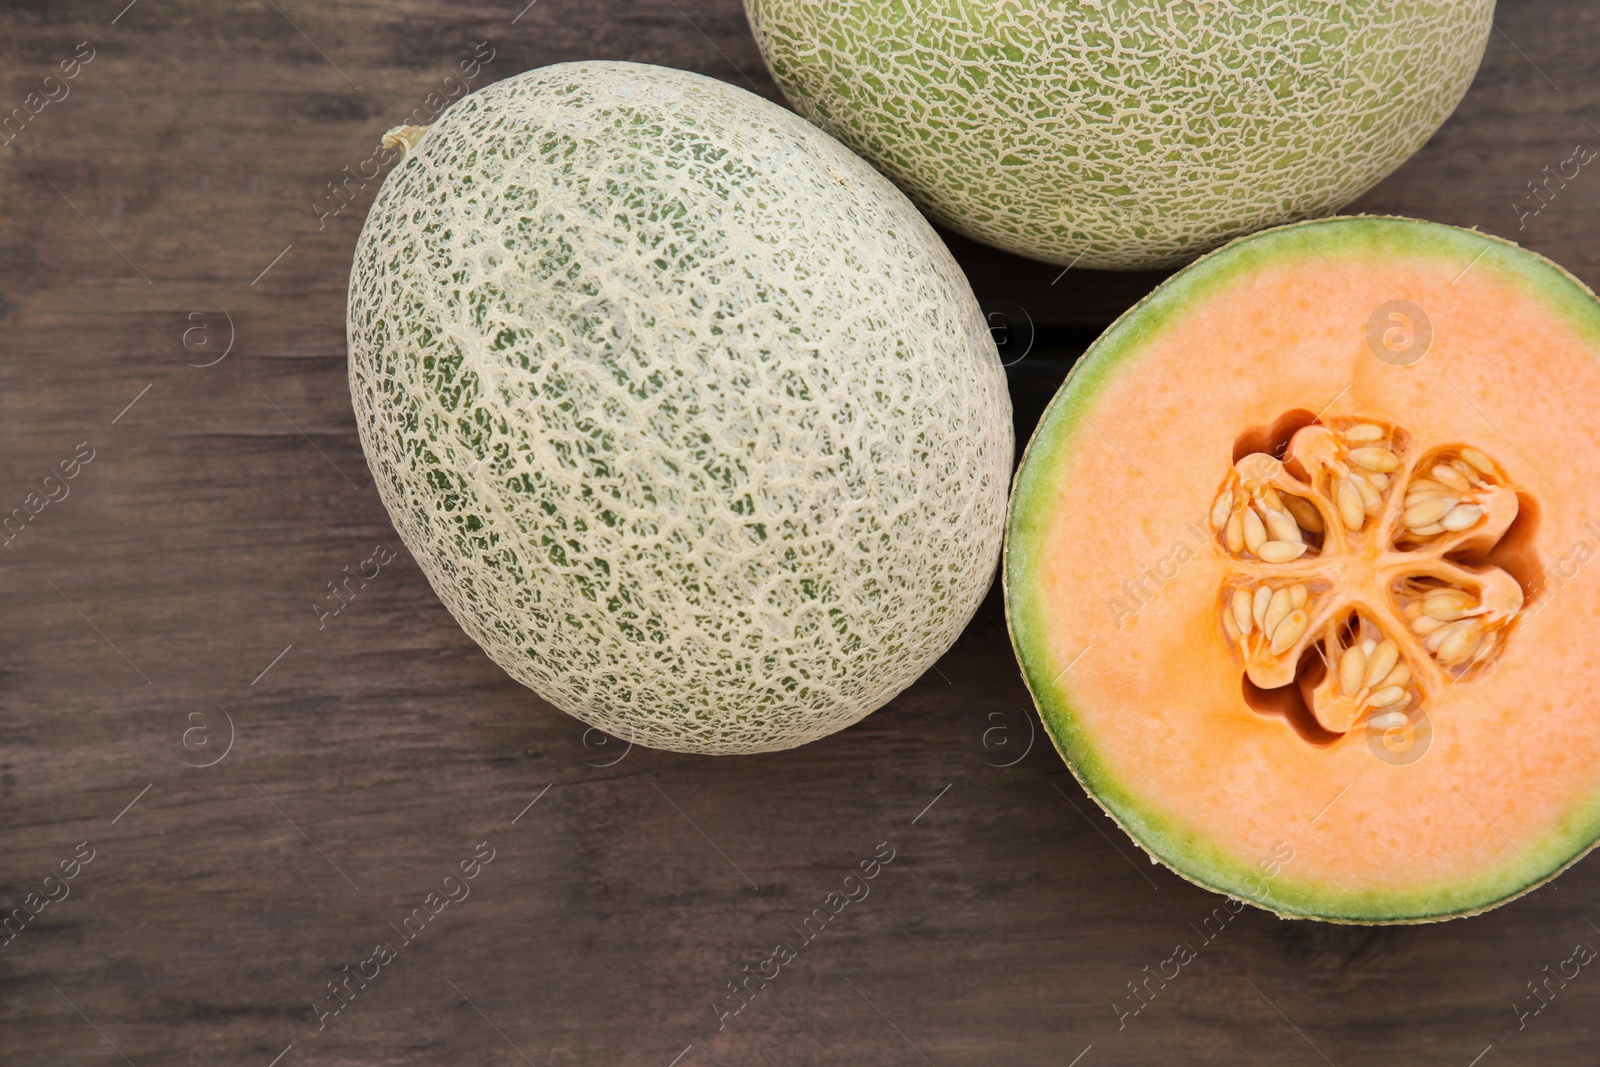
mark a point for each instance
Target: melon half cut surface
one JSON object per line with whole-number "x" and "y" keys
{"x": 1298, "y": 569}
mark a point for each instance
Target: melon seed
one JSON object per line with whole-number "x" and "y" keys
{"x": 1459, "y": 645}
{"x": 1428, "y": 511}
{"x": 1381, "y": 662}
{"x": 1364, "y": 433}
{"x": 1281, "y": 551}
{"x": 1282, "y": 527}
{"x": 1351, "y": 511}
{"x": 1447, "y": 605}
{"x": 1461, "y": 517}
{"x": 1451, "y": 477}
{"x": 1478, "y": 460}
{"x": 1241, "y": 612}
{"x": 1222, "y": 509}
{"x": 1469, "y": 473}
{"x": 1278, "y": 609}
{"x": 1255, "y": 534}
{"x": 1304, "y": 513}
{"x": 1371, "y": 501}
{"x": 1448, "y": 632}
{"x": 1289, "y": 632}
{"x": 1352, "y": 669}
{"x": 1387, "y": 697}
{"x": 1375, "y": 459}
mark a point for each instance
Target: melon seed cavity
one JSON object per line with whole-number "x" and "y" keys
{"x": 1356, "y": 570}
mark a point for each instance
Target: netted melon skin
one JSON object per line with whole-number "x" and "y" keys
{"x": 685, "y": 412}
{"x": 1125, "y": 133}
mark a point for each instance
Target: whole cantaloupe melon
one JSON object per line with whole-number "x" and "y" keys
{"x": 1125, "y": 133}
{"x": 686, "y": 413}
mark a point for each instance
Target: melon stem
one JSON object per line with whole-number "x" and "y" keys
{"x": 404, "y": 138}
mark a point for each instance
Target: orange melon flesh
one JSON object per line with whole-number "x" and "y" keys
{"x": 1137, "y": 683}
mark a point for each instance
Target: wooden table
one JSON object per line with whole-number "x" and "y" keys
{"x": 170, "y": 296}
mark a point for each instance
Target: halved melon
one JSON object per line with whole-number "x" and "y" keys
{"x": 1296, "y": 570}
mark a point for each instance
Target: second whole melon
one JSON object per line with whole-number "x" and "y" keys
{"x": 685, "y": 412}
{"x": 1128, "y": 133}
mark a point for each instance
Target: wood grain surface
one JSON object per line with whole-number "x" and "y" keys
{"x": 172, "y": 292}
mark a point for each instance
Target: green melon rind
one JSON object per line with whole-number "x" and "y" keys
{"x": 1037, "y": 486}
{"x": 1130, "y": 134}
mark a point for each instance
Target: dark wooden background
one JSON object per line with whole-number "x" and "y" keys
{"x": 140, "y": 217}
